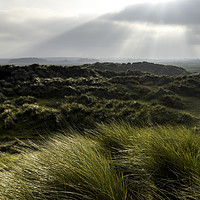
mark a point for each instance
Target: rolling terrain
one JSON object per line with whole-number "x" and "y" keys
{"x": 131, "y": 131}
{"x": 84, "y": 95}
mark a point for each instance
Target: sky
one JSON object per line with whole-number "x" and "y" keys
{"x": 100, "y": 28}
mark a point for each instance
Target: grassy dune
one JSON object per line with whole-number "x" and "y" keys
{"x": 114, "y": 161}
{"x": 153, "y": 156}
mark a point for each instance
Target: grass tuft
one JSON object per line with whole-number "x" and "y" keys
{"x": 116, "y": 162}
{"x": 68, "y": 168}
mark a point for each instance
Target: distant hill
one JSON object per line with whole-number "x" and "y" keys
{"x": 64, "y": 61}
{"x": 155, "y": 66}
{"x": 27, "y": 61}
{"x": 4, "y": 61}
{"x": 157, "y": 69}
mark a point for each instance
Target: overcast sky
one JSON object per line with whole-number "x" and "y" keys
{"x": 100, "y": 28}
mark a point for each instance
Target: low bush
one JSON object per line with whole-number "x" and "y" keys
{"x": 25, "y": 99}
{"x": 172, "y": 101}
{"x": 163, "y": 116}
{"x": 2, "y": 98}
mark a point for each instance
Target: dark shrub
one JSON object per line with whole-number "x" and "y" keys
{"x": 162, "y": 115}
{"x": 2, "y": 98}
{"x": 39, "y": 116}
{"x": 172, "y": 101}
{"x": 8, "y": 92}
{"x": 25, "y": 99}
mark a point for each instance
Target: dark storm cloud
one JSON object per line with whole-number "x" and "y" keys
{"x": 134, "y": 31}
{"x": 23, "y": 28}
{"x": 97, "y": 37}
{"x": 28, "y": 29}
{"x": 185, "y": 12}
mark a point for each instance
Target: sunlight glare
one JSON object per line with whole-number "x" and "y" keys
{"x": 153, "y": 1}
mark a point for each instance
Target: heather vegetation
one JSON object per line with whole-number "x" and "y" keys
{"x": 55, "y": 97}
{"x": 99, "y": 131}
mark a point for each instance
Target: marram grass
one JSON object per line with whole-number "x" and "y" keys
{"x": 116, "y": 162}
{"x": 68, "y": 168}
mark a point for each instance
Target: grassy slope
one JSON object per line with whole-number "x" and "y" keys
{"x": 116, "y": 161}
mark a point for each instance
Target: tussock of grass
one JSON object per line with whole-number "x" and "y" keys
{"x": 115, "y": 138}
{"x": 68, "y": 168}
{"x": 174, "y": 159}
{"x": 162, "y": 160}
{"x": 117, "y": 162}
